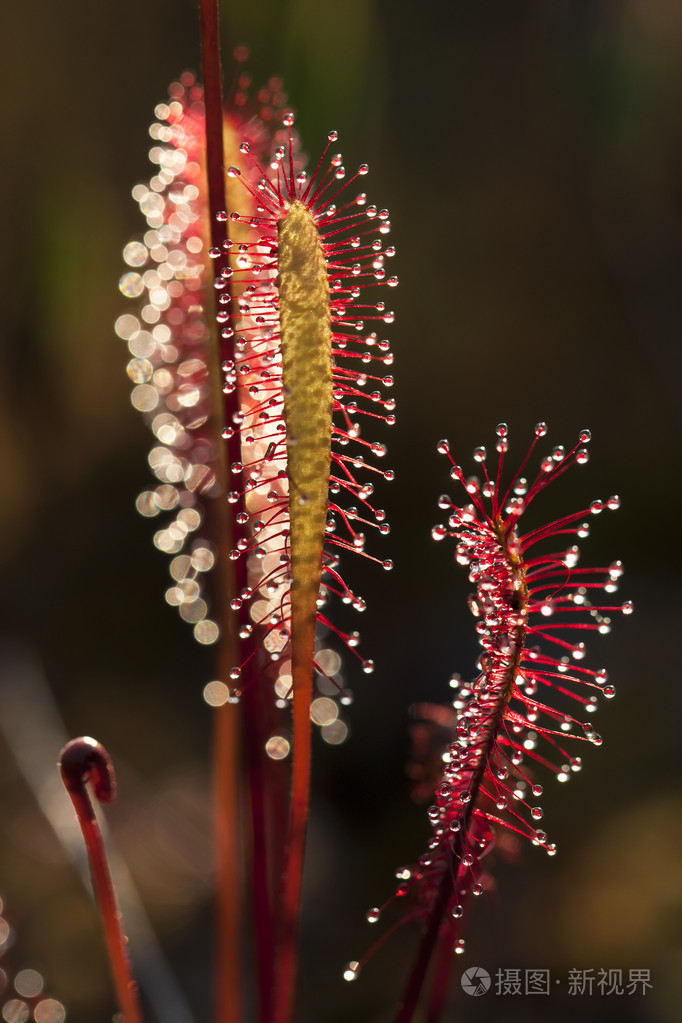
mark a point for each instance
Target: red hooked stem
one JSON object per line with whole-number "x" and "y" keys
{"x": 85, "y": 760}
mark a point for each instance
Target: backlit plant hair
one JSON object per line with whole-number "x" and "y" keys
{"x": 532, "y": 609}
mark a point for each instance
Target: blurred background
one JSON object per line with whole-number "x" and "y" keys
{"x": 530, "y": 154}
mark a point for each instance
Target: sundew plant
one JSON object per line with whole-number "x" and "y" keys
{"x": 259, "y": 360}
{"x": 256, "y": 312}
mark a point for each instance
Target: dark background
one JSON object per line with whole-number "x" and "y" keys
{"x": 531, "y": 157}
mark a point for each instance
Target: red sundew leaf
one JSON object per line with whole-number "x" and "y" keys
{"x": 300, "y": 366}
{"x": 173, "y": 365}
{"x": 515, "y": 717}
{"x": 171, "y": 269}
{"x": 295, "y": 371}
{"x": 283, "y": 482}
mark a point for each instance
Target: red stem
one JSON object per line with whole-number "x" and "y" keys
{"x": 410, "y": 1000}
{"x": 287, "y": 953}
{"x": 229, "y": 939}
{"x": 213, "y": 100}
{"x": 229, "y": 964}
{"x": 256, "y": 721}
{"x": 84, "y": 760}
{"x": 439, "y": 982}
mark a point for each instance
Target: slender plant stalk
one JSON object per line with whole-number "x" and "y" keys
{"x": 80, "y": 761}
{"x": 213, "y": 99}
{"x": 229, "y": 965}
{"x": 295, "y": 849}
{"x": 439, "y": 980}
{"x": 415, "y": 982}
{"x": 408, "y": 1006}
{"x": 260, "y": 776}
{"x": 229, "y": 938}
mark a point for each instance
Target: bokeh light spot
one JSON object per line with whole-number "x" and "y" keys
{"x": 206, "y": 632}
{"x": 277, "y": 747}
{"x": 335, "y": 733}
{"x": 216, "y": 694}
{"x": 131, "y": 284}
{"x": 49, "y": 1011}
{"x": 323, "y": 711}
{"x": 28, "y": 983}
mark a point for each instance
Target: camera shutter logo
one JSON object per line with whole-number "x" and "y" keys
{"x": 475, "y": 981}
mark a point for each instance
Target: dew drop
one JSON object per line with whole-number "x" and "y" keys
{"x": 372, "y": 915}
{"x": 351, "y": 970}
